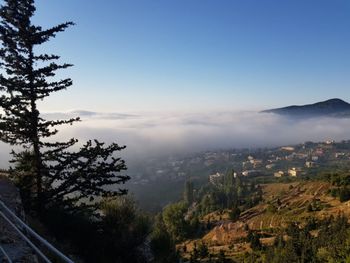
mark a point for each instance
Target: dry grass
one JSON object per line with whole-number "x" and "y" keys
{"x": 290, "y": 200}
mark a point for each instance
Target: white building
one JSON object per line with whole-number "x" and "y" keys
{"x": 215, "y": 178}
{"x": 293, "y": 172}
{"x": 279, "y": 174}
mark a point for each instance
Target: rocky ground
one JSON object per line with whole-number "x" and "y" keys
{"x": 10, "y": 241}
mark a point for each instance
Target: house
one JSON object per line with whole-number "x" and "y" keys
{"x": 257, "y": 163}
{"x": 287, "y": 148}
{"x": 278, "y": 174}
{"x": 293, "y": 172}
{"x": 270, "y": 166}
{"x": 314, "y": 158}
{"x": 301, "y": 155}
{"x": 319, "y": 152}
{"x": 339, "y": 154}
{"x": 310, "y": 164}
{"x": 215, "y": 178}
{"x": 251, "y": 173}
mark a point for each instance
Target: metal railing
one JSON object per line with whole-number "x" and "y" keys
{"x": 7, "y": 257}
{"x": 22, "y": 228}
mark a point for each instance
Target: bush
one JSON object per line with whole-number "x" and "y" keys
{"x": 116, "y": 236}
{"x": 344, "y": 194}
{"x": 234, "y": 214}
{"x": 271, "y": 208}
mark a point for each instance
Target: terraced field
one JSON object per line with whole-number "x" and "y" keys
{"x": 283, "y": 203}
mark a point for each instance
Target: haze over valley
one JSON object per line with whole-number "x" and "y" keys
{"x": 156, "y": 134}
{"x": 166, "y": 133}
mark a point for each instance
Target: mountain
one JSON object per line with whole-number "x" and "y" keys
{"x": 330, "y": 108}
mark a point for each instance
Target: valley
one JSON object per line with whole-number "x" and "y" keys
{"x": 166, "y": 176}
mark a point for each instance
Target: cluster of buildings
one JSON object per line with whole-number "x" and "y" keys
{"x": 296, "y": 160}
{"x": 279, "y": 162}
{"x": 294, "y": 172}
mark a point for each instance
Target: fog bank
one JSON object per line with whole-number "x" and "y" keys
{"x": 153, "y": 134}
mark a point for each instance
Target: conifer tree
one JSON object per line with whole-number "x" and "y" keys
{"x": 188, "y": 193}
{"x": 59, "y": 175}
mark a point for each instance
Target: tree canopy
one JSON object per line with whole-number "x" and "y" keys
{"x": 59, "y": 174}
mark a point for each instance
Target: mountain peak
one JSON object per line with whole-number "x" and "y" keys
{"x": 335, "y": 101}
{"x": 333, "y": 108}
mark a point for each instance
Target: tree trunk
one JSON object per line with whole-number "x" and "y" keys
{"x": 35, "y": 137}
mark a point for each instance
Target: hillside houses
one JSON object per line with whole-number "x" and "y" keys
{"x": 277, "y": 162}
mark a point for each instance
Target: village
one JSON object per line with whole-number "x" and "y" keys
{"x": 286, "y": 161}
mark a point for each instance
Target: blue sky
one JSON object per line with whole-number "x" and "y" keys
{"x": 195, "y": 55}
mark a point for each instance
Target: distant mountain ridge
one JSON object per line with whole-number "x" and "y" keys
{"x": 330, "y": 108}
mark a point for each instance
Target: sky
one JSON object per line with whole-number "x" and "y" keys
{"x": 181, "y": 76}
{"x": 198, "y": 55}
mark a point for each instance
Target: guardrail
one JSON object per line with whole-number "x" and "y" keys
{"x": 7, "y": 257}
{"x": 18, "y": 226}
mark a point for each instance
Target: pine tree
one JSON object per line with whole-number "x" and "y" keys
{"x": 221, "y": 257}
{"x": 59, "y": 176}
{"x": 188, "y": 193}
{"x": 203, "y": 250}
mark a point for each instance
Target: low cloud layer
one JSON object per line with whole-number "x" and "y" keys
{"x": 165, "y": 133}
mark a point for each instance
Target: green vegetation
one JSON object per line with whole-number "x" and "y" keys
{"x": 162, "y": 243}
{"x": 289, "y": 221}
{"x": 299, "y": 244}
{"x": 174, "y": 219}
{"x": 118, "y": 236}
{"x": 228, "y": 192}
{"x": 188, "y": 194}
{"x": 341, "y": 182}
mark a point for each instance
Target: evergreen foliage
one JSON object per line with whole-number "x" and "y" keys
{"x": 188, "y": 193}
{"x": 332, "y": 243}
{"x": 162, "y": 244}
{"x": 175, "y": 222}
{"x": 232, "y": 192}
{"x": 48, "y": 172}
{"x": 118, "y": 236}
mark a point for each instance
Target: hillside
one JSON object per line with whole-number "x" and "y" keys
{"x": 283, "y": 203}
{"x": 330, "y": 108}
